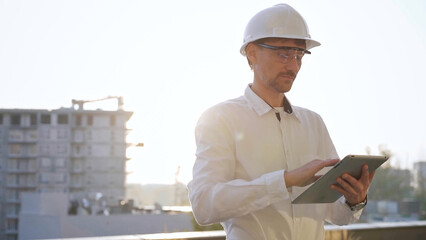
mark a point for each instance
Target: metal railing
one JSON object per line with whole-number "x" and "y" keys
{"x": 415, "y": 230}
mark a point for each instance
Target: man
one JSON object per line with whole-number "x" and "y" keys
{"x": 257, "y": 152}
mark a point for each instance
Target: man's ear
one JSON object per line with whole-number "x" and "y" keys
{"x": 251, "y": 53}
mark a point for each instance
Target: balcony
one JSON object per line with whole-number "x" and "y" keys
{"x": 76, "y": 186}
{"x": 13, "y": 200}
{"x": 22, "y": 170}
{"x": 21, "y": 185}
{"x": 77, "y": 170}
{"x": 12, "y": 216}
{"x": 11, "y": 231}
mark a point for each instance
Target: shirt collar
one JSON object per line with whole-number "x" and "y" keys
{"x": 261, "y": 107}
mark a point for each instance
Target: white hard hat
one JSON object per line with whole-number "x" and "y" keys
{"x": 279, "y": 21}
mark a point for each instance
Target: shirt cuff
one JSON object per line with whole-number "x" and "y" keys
{"x": 275, "y": 186}
{"x": 356, "y": 214}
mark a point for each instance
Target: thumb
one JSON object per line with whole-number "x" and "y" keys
{"x": 313, "y": 179}
{"x": 316, "y": 177}
{"x": 327, "y": 163}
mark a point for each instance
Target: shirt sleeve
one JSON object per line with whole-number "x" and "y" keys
{"x": 338, "y": 212}
{"x": 214, "y": 193}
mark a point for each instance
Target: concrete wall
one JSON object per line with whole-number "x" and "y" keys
{"x": 44, "y": 215}
{"x": 49, "y": 226}
{"x": 44, "y": 204}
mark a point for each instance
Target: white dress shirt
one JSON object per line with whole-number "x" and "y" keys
{"x": 243, "y": 151}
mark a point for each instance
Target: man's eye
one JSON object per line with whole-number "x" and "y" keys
{"x": 282, "y": 55}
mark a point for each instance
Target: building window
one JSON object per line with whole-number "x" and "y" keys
{"x": 77, "y": 180}
{"x": 33, "y": 150}
{"x": 14, "y": 149}
{"x": 12, "y": 195}
{"x": 45, "y": 162}
{"x": 22, "y": 165}
{"x": 45, "y": 133}
{"x": 44, "y": 177}
{"x": 77, "y": 165}
{"x": 1, "y": 119}
{"x": 112, "y": 151}
{"x": 89, "y": 150}
{"x": 33, "y": 119}
{"x": 32, "y": 135}
{"x": 45, "y": 149}
{"x": 12, "y": 164}
{"x": 78, "y": 120}
{"x": 12, "y": 209}
{"x": 89, "y": 135}
{"x": 16, "y": 135}
{"x": 62, "y": 133}
{"x": 90, "y": 120}
{"x": 31, "y": 164}
{"x": 112, "y": 121}
{"x": 60, "y": 178}
{"x": 12, "y": 224}
{"x": 12, "y": 179}
{"x": 60, "y": 163}
{"x": 15, "y": 120}
{"x": 61, "y": 149}
{"x": 45, "y": 118}
{"x": 62, "y": 119}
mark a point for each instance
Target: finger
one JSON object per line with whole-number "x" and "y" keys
{"x": 331, "y": 162}
{"x": 309, "y": 181}
{"x": 347, "y": 190}
{"x": 312, "y": 179}
{"x": 327, "y": 163}
{"x": 317, "y": 164}
{"x": 348, "y": 196}
{"x": 348, "y": 186}
{"x": 316, "y": 177}
{"x": 353, "y": 182}
{"x": 365, "y": 176}
{"x": 339, "y": 189}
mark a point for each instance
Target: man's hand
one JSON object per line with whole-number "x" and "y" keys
{"x": 354, "y": 190}
{"x": 306, "y": 174}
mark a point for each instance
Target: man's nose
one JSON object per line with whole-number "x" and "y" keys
{"x": 293, "y": 64}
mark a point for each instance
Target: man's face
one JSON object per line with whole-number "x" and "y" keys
{"x": 277, "y": 69}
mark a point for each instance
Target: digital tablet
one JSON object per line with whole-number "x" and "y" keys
{"x": 321, "y": 192}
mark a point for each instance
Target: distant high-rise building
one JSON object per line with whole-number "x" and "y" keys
{"x": 66, "y": 150}
{"x": 420, "y": 176}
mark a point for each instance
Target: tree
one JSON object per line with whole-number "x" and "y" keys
{"x": 390, "y": 183}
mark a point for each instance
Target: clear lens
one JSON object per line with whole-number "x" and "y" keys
{"x": 287, "y": 54}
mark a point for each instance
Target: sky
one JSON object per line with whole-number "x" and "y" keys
{"x": 171, "y": 60}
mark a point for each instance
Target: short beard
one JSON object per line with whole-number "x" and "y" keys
{"x": 276, "y": 84}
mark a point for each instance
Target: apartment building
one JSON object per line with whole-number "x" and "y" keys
{"x": 66, "y": 150}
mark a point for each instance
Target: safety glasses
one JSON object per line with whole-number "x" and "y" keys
{"x": 286, "y": 54}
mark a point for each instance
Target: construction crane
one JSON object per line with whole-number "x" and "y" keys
{"x": 177, "y": 192}
{"x": 80, "y": 103}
